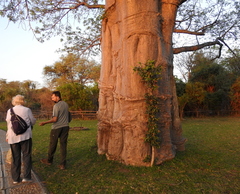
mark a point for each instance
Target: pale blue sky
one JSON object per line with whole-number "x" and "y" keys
{"x": 22, "y": 57}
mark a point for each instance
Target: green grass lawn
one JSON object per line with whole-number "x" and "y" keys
{"x": 210, "y": 164}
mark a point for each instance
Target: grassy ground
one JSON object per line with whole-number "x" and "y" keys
{"x": 210, "y": 163}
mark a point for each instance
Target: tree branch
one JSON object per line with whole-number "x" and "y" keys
{"x": 77, "y": 5}
{"x": 197, "y": 47}
{"x": 181, "y": 1}
{"x": 228, "y": 47}
{"x": 229, "y": 29}
{"x": 189, "y": 32}
{"x": 90, "y": 6}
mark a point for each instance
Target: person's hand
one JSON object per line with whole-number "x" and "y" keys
{"x": 42, "y": 123}
{"x": 6, "y": 140}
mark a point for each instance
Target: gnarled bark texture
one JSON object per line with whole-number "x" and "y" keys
{"x": 132, "y": 32}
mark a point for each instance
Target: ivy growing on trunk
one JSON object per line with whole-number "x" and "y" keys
{"x": 151, "y": 74}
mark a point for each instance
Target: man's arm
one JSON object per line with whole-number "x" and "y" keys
{"x": 53, "y": 120}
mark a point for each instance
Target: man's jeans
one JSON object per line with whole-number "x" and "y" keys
{"x": 62, "y": 134}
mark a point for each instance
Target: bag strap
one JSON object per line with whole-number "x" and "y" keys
{"x": 12, "y": 112}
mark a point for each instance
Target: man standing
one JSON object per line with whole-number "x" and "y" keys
{"x": 60, "y": 129}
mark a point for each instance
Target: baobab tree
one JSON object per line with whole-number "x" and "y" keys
{"x": 134, "y": 32}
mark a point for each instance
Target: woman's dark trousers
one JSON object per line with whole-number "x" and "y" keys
{"x": 24, "y": 147}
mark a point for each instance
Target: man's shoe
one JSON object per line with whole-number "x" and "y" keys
{"x": 62, "y": 167}
{"x": 45, "y": 161}
{"x": 15, "y": 182}
{"x": 25, "y": 180}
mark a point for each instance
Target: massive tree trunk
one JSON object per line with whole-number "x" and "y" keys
{"x": 132, "y": 32}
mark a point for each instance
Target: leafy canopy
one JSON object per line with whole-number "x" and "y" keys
{"x": 208, "y": 22}
{"x": 72, "y": 69}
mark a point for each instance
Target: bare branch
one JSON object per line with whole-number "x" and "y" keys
{"x": 181, "y": 1}
{"x": 77, "y": 5}
{"x": 196, "y": 47}
{"x": 93, "y": 43}
{"x": 189, "y": 32}
{"x": 212, "y": 24}
{"x": 228, "y": 47}
{"x": 90, "y": 6}
{"x": 197, "y": 32}
{"x": 203, "y": 29}
{"x": 233, "y": 25}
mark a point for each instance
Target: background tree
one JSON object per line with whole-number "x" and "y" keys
{"x": 196, "y": 95}
{"x": 76, "y": 78}
{"x": 232, "y": 62}
{"x": 7, "y": 91}
{"x": 184, "y": 65}
{"x": 182, "y": 102}
{"x": 217, "y": 80}
{"x": 79, "y": 97}
{"x": 43, "y": 97}
{"x": 72, "y": 69}
{"x": 28, "y": 89}
{"x": 180, "y": 86}
{"x": 134, "y": 32}
{"x": 235, "y": 96}
{"x": 182, "y": 96}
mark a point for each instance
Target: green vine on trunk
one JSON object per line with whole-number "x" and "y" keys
{"x": 150, "y": 75}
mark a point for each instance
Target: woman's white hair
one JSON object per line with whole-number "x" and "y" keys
{"x": 18, "y": 100}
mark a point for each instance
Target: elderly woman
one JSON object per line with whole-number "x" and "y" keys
{"x": 20, "y": 143}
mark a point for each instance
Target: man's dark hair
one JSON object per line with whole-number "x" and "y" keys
{"x": 57, "y": 93}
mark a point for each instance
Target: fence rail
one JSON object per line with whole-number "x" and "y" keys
{"x": 83, "y": 115}
{"x": 92, "y": 115}
{"x": 209, "y": 113}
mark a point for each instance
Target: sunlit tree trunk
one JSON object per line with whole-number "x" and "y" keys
{"x": 132, "y": 32}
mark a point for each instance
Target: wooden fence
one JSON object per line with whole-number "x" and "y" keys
{"x": 92, "y": 115}
{"x": 83, "y": 115}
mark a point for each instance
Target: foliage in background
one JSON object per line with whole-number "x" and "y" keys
{"x": 84, "y": 40}
{"x": 208, "y": 22}
{"x": 219, "y": 81}
{"x": 232, "y": 62}
{"x": 196, "y": 95}
{"x": 235, "y": 95}
{"x": 27, "y": 88}
{"x": 74, "y": 76}
{"x": 72, "y": 69}
{"x": 80, "y": 97}
{"x": 208, "y": 87}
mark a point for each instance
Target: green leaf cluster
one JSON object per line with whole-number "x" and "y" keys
{"x": 150, "y": 74}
